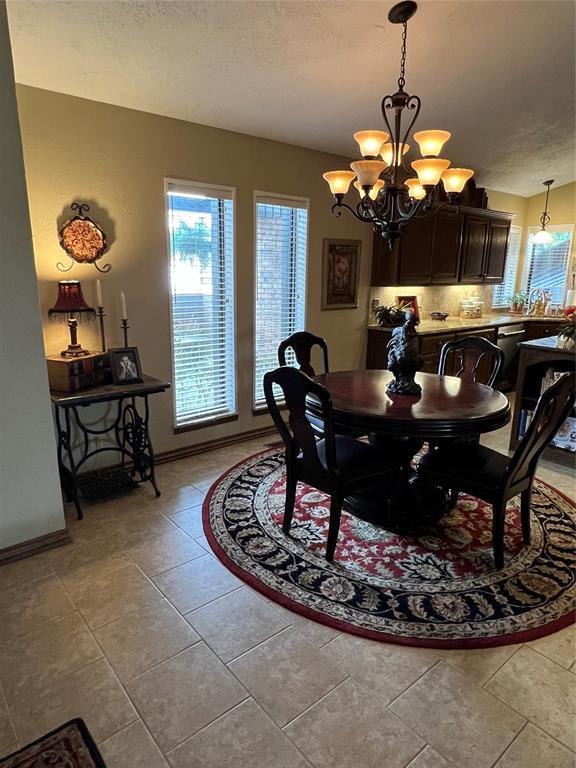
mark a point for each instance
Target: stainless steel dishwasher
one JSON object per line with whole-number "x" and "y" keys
{"x": 509, "y": 337}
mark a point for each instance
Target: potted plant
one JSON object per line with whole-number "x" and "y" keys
{"x": 517, "y": 301}
{"x": 394, "y": 315}
{"x": 566, "y": 334}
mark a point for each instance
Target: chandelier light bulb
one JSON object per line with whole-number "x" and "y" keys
{"x": 370, "y": 142}
{"x": 387, "y": 153}
{"x": 454, "y": 179}
{"x": 430, "y": 170}
{"x": 431, "y": 142}
{"x": 543, "y": 237}
{"x": 338, "y": 181}
{"x": 368, "y": 171}
{"x": 415, "y": 189}
{"x": 373, "y": 192}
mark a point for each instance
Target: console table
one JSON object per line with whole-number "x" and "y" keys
{"x": 129, "y": 434}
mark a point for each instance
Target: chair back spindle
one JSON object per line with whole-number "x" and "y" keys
{"x": 302, "y": 343}
{"x": 298, "y": 435}
{"x": 470, "y": 352}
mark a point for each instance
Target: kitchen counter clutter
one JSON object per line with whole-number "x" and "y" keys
{"x": 428, "y": 326}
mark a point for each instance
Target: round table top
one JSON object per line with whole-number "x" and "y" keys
{"x": 447, "y": 407}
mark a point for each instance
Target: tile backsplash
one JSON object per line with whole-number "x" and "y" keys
{"x": 434, "y": 298}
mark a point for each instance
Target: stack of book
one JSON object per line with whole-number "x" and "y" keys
{"x": 72, "y": 374}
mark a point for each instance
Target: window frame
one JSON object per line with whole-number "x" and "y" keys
{"x": 200, "y": 186}
{"x": 275, "y": 198}
{"x": 519, "y": 266}
{"x": 531, "y": 230}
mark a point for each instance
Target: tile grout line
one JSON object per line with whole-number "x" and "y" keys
{"x": 308, "y": 708}
{"x": 493, "y": 675}
{"x": 545, "y": 656}
{"x": 412, "y": 684}
{"x": 501, "y": 755}
{"x": 10, "y": 718}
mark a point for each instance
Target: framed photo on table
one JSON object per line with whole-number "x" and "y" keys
{"x": 340, "y": 274}
{"x": 125, "y": 365}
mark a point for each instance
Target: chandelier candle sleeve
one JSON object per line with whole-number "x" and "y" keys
{"x": 454, "y": 179}
{"x": 124, "y": 313}
{"x": 431, "y": 142}
{"x": 370, "y": 142}
{"x": 339, "y": 181}
{"x": 430, "y": 170}
{"x": 387, "y": 153}
{"x": 368, "y": 171}
{"x": 415, "y": 189}
{"x": 373, "y": 192}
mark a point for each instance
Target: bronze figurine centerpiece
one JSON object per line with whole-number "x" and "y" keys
{"x": 404, "y": 359}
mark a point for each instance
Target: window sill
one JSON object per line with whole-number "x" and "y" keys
{"x": 263, "y": 410}
{"x": 207, "y": 423}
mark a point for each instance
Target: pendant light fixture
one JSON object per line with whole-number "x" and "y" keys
{"x": 543, "y": 237}
{"x": 388, "y": 200}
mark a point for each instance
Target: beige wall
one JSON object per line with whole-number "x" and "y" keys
{"x": 30, "y": 500}
{"x": 116, "y": 160}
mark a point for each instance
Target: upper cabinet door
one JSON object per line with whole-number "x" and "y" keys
{"x": 496, "y": 254}
{"x": 416, "y": 252}
{"x": 446, "y": 247}
{"x": 476, "y": 235}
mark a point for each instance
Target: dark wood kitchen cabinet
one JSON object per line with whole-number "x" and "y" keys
{"x": 474, "y": 248}
{"x": 466, "y": 246}
{"x": 495, "y": 263}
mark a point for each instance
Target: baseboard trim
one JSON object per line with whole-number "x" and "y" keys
{"x": 212, "y": 445}
{"x": 34, "y": 546}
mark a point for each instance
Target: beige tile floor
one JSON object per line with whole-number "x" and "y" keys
{"x": 173, "y": 661}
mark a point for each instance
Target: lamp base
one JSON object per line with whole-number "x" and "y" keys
{"x": 74, "y": 350}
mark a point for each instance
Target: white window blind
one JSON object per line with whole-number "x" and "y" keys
{"x": 281, "y": 247}
{"x": 547, "y": 265}
{"x": 200, "y": 225}
{"x": 508, "y": 287}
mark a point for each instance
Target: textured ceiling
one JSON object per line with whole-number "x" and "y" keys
{"x": 498, "y": 74}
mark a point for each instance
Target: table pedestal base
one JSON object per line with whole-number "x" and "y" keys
{"x": 401, "y": 508}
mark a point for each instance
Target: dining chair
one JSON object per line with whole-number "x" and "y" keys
{"x": 302, "y": 343}
{"x": 471, "y": 351}
{"x": 337, "y": 464}
{"x": 496, "y": 478}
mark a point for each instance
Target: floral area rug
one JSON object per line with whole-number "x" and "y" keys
{"x": 69, "y": 746}
{"x": 438, "y": 588}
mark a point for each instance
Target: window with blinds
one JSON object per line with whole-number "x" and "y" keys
{"x": 281, "y": 248}
{"x": 546, "y": 266}
{"x": 200, "y": 228}
{"x": 508, "y": 287}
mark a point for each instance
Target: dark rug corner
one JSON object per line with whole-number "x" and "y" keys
{"x": 68, "y": 746}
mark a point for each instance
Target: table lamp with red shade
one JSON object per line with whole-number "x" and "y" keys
{"x": 71, "y": 302}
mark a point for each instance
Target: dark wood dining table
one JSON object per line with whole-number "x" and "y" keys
{"x": 448, "y": 408}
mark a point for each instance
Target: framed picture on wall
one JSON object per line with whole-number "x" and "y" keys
{"x": 409, "y": 302}
{"x": 340, "y": 274}
{"x": 125, "y": 365}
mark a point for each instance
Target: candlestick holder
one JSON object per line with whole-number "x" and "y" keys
{"x": 101, "y": 317}
{"x": 125, "y": 327}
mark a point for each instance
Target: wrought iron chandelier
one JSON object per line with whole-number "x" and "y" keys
{"x": 543, "y": 237}
{"x": 388, "y": 199}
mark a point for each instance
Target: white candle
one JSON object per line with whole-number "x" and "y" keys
{"x": 123, "y": 305}
{"x": 99, "y": 301}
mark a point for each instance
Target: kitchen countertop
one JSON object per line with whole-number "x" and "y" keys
{"x": 428, "y": 326}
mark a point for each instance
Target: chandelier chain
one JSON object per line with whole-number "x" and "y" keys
{"x": 401, "y": 80}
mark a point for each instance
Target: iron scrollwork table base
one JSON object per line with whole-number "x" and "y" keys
{"x": 127, "y": 432}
